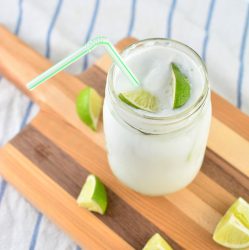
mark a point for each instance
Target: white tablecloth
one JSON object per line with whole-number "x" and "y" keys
{"x": 217, "y": 30}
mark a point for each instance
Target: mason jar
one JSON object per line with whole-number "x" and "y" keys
{"x": 156, "y": 155}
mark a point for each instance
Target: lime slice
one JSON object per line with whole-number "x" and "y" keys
{"x": 233, "y": 229}
{"x": 89, "y": 105}
{"x": 240, "y": 208}
{"x": 180, "y": 86}
{"x": 156, "y": 242}
{"x": 93, "y": 195}
{"x": 140, "y": 99}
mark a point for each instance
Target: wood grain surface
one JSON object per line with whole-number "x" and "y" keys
{"x": 50, "y": 159}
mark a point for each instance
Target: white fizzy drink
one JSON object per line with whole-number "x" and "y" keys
{"x": 157, "y": 153}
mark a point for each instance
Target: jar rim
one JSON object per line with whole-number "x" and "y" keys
{"x": 173, "y": 118}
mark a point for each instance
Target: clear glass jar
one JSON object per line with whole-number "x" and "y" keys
{"x": 156, "y": 155}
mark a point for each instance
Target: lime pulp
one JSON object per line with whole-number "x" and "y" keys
{"x": 93, "y": 195}
{"x": 156, "y": 242}
{"x": 233, "y": 229}
{"x": 180, "y": 87}
{"x": 88, "y": 106}
{"x": 140, "y": 99}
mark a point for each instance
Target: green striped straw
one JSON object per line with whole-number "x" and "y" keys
{"x": 87, "y": 48}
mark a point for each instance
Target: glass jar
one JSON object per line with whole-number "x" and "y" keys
{"x": 156, "y": 155}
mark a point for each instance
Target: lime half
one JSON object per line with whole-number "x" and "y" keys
{"x": 233, "y": 229}
{"x": 180, "y": 86}
{"x": 140, "y": 99}
{"x": 156, "y": 242}
{"x": 93, "y": 195}
{"x": 89, "y": 105}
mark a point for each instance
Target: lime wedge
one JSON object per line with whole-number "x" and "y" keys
{"x": 93, "y": 195}
{"x": 180, "y": 86}
{"x": 233, "y": 229}
{"x": 89, "y": 105}
{"x": 156, "y": 242}
{"x": 140, "y": 99}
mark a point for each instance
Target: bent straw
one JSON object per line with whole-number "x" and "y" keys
{"x": 87, "y": 48}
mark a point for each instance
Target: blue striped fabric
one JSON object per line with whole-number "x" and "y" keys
{"x": 90, "y": 30}
{"x": 17, "y": 29}
{"x": 242, "y": 58}
{"x": 78, "y": 248}
{"x": 2, "y": 189}
{"x": 170, "y": 18}
{"x": 19, "y": 18}
{"x": 51, "y": 27}
{"x": 207, "y": 27}
{"x": 26, "y": 115}
{"x": 35, "y": 232}
{"x": 132, "y": 17}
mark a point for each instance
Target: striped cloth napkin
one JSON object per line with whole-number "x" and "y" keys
{"x": 216, "y": 29}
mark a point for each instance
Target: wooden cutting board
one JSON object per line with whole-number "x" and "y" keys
{"x": 50, "y": 159}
